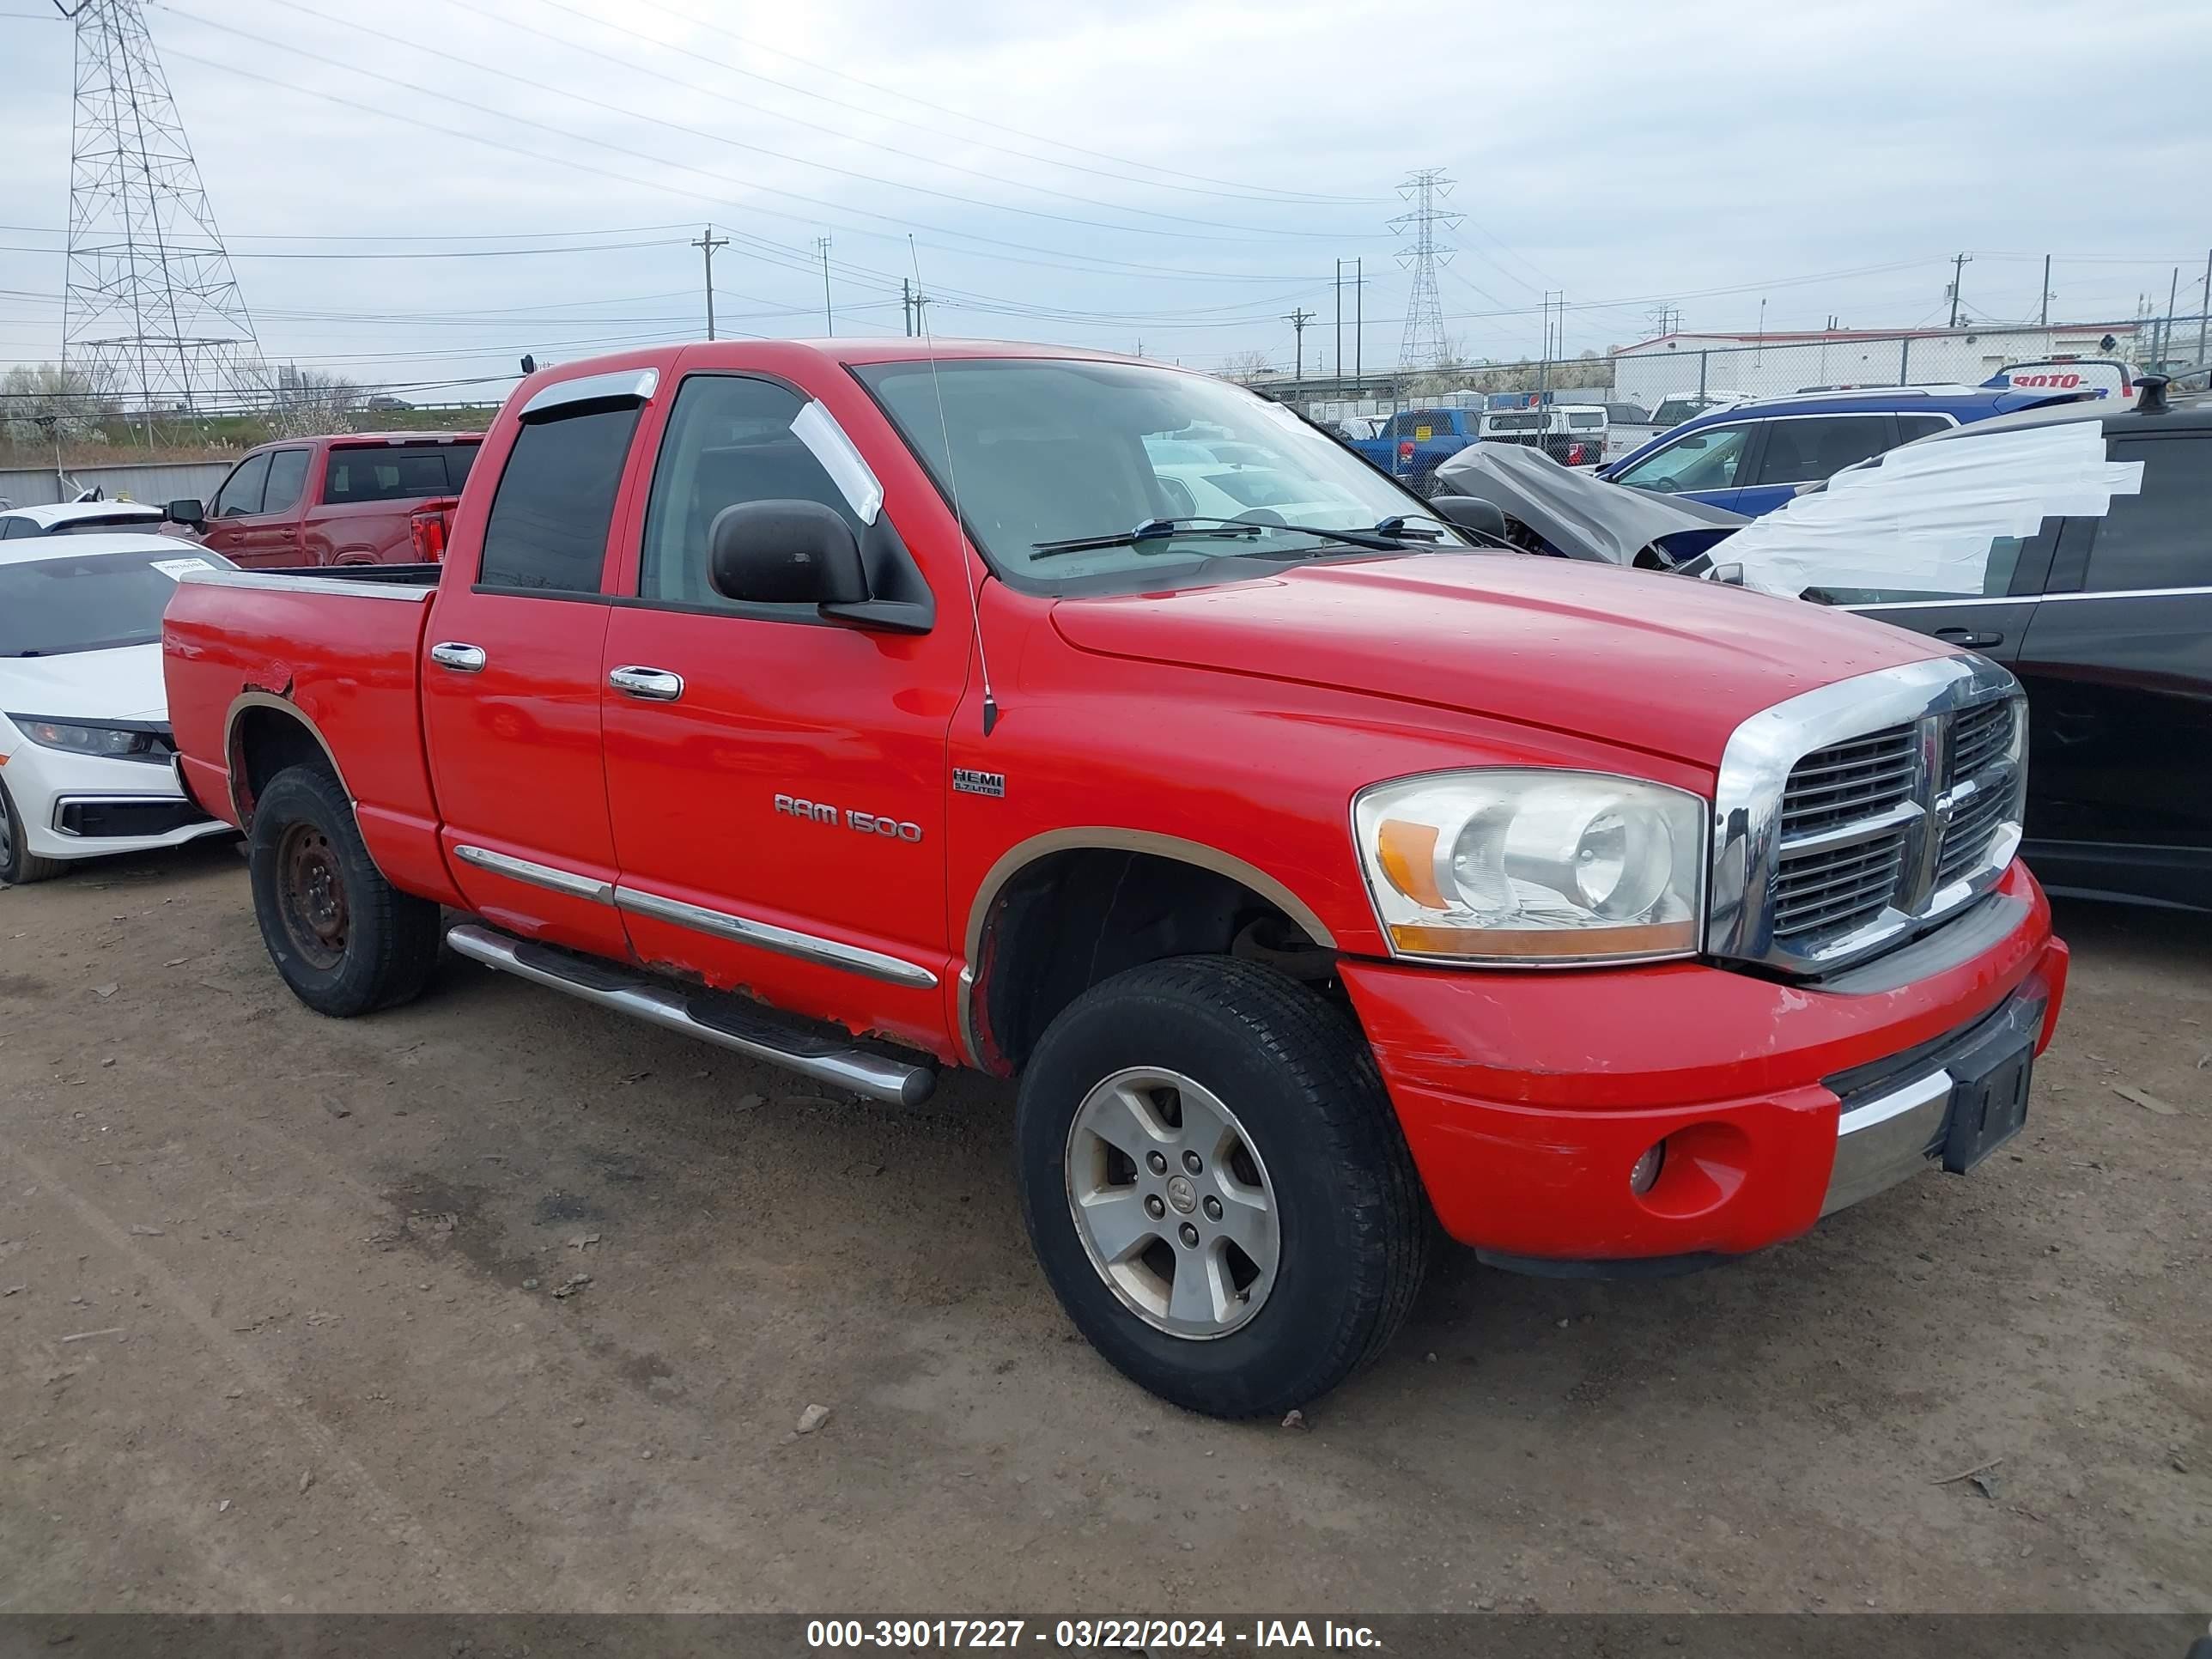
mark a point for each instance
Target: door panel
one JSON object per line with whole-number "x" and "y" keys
{"x": 2120, "y": 695}
{"x": 515, "y": 759}
{"x": 511, "y": 688}
{"x": 796, "y": 781}
{"x": 2119, "y": 675}
{"x": 1992, "y": 627}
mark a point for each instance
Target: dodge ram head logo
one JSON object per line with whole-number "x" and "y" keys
{"x": 867, "y": 824}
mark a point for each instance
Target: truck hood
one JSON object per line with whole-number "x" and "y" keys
{"x": 123, "y": 684}
{"x": 1659, "y": 663}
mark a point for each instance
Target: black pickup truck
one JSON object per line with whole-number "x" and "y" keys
{"x": 2073, "y": 544}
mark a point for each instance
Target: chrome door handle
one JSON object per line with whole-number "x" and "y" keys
{"x": 461, "y": 659}
{"x": 653, "y": 685}
{"x": 1968, "y": 636}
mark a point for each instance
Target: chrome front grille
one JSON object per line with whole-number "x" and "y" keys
{"x": 1847, "y": 781}
{"x": 1854, "y": 816}
{"x": 1979, "y": 735}
{"x": 1841, "y": 887}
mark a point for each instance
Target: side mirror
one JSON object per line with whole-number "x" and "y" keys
{"x": 187, "y": 510}
{"x": 786, "y": 552}
{"x": 1472, "y": 513}
{"x": 1729, "y": 574}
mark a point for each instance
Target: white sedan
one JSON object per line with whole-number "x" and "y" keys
{"x": 89, "y": 519}
{"x": 85, "y": 747}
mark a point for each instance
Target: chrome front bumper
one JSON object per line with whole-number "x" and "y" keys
{"x": 1951, "y": 1103}
{"x": 1881, "y": 1142}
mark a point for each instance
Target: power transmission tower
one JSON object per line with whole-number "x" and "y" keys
{"x": 1297, "y": 319}
{"x": 1422, "y": 345}
{"x": 150, "y": 306}
{"x": 707, "y": 243}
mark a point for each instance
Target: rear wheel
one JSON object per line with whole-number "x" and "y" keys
{"x": 1216, "y": 1186}
{"x": 345, "y": 939}
{"x": 19, "y": 865}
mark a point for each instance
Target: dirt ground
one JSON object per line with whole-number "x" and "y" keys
{"x": 284, "y": 1322}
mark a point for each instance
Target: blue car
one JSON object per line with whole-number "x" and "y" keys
{"x": 1752, "y": 457}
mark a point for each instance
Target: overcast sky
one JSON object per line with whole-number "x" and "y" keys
{"x": 1177, "y": 172}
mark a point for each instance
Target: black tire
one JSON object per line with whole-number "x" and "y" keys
{"x": 19, "y": 865}
{"x": 1297, "y": 1075}
{"x": 345, "y": 939}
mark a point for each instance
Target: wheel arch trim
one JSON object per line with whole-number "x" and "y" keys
{"x": 234, "y": 759}
{"x": 1105, "y": 838}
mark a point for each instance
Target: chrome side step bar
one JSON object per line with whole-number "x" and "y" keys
{"x": 626, "y": 991}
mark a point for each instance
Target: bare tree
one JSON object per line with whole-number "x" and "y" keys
{"x": 46, "y": 403}
{"x": 305, "y": 402}
{"x": 1245, "y": 366}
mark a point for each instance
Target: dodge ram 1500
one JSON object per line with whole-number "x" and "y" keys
{"x": 864, "y": 707}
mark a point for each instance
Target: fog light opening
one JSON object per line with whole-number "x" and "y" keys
{"x": 1645, "y": 1172}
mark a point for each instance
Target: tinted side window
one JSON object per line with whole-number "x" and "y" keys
{"x": 388, "y": 473}
{"x": 242, "y": 491}
{"x": 556, "y": 503}
{"x": 2163, "y": 537}
{"x": 288, "y": 471}
{"x": 729, "y": 441}
{"x": 1910, "y": 427}
{"x": 1809, "y": 451}
{"x": 11, "y": 528}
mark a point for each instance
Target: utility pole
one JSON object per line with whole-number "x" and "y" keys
{"x": 707, "y": 243}
{"x": 906, "y": 304}
{"x": 1297, "y": 319}
{"x": 1336, "y": 290}
{"x": 1959, "y": 262}
{"x": 1358, "y": 331}
{"x": 828, "y": 321}
{"x": 2165, "y": 336}
{"x": 2204, "y": 307}
{"x": 2046, "y": 290}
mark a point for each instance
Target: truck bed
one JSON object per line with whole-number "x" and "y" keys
{"x": 338, "y": 648}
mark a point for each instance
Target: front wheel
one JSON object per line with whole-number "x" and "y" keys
{"x": 345, "y": 939}
{"x": 19, "y": 865}
{"x": 1216, "y": 1186}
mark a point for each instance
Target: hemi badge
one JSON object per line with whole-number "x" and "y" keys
{"x": 968, "y": 782}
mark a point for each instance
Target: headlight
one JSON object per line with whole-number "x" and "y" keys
{"x": 110, "y": 742}
{"x": 1516, "y": 866}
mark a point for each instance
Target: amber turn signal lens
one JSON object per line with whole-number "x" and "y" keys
{"x": 1407, "y": 853}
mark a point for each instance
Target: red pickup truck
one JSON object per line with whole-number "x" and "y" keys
{"x": 364, "y": 498}
{"x": 1316, "y": 872}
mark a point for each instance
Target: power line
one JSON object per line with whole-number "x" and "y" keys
{"x": 262, "y": 39}
{"x": 844, "y": 134}
{"x": 1111, "y": 266}
{"x": 1223, "y": 185}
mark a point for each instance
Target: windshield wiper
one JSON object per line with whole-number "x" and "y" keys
{"x": 1385, "y": 538}
{"x": 1152, "y": 530}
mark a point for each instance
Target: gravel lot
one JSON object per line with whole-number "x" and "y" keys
{"x": 284, "y": 1327}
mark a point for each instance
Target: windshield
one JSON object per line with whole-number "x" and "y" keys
{"x": 52, "y": 607}
{"x": 1048, "y": 450}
